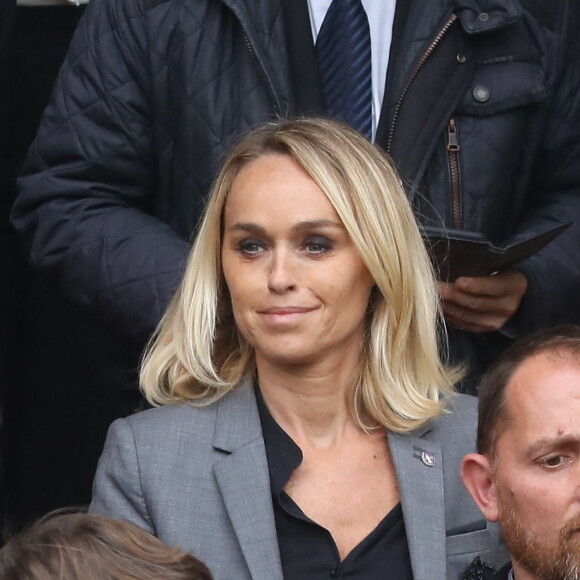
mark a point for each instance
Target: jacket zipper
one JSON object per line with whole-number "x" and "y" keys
{"x": 261, "y": 71}
{"x": 454, "y": 172}
{"x": 416, "y": 70}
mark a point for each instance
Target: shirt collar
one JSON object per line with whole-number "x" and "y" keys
{"x": 283, "y": 455}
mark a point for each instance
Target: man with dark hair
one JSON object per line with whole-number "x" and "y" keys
{"x": 526, "y": 474}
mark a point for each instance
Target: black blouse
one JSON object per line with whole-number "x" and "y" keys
{"x": 307, "y": 550}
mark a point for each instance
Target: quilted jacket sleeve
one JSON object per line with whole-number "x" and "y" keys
{"x": 90, "y": 178}
{"x": 553, "y": 274}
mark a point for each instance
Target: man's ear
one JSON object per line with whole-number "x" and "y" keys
{"x": 477, "y": 476}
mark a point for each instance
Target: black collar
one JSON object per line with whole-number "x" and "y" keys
{"x": 283, "y": 455}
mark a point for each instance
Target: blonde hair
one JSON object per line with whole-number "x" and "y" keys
{"x": 67, "y": 544}
{"x": 197, "y": 353}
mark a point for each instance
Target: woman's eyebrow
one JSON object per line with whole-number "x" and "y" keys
{"x": 247, "y": 227}
{"x": 317, "y": 224}
{"x": 254, "y": 228}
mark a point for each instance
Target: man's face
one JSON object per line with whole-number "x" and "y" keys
{"x": 537, "y": 469}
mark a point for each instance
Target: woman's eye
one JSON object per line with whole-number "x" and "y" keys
{"x": 318, "y": 245}
{"x": 250, "y": 247}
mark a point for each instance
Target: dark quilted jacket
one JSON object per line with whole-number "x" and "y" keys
{"x": 154, "y": 92}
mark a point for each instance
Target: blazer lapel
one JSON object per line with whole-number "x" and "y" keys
{"x": 244, "y": 482}
{"x": 419, "y": 467}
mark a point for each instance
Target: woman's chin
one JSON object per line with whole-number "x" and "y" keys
{"x": 287, "y": 356}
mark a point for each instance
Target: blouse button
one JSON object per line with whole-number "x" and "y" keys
{"x": 335, "y": 572}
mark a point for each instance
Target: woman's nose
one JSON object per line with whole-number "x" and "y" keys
{"x": 281, "y": 275}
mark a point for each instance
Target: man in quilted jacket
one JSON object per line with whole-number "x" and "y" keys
{"x": 479, "y": 111}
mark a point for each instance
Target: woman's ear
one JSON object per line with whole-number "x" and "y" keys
{"x": 478, "y": 478}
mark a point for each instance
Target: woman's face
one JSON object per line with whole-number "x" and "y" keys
{"x": 299, "y": 289}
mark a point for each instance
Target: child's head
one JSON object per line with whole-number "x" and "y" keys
{"x": 79, "y": 546}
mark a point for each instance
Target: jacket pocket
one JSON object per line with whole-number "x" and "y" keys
{"x": 463, "y": 548}
{"x": 477, "y": 542}
{"x": 501, "y": 84}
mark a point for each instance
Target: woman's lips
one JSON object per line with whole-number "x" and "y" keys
{"x": 286, "y": 314}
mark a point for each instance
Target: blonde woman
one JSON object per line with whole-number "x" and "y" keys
{"x": 306, "y": 427}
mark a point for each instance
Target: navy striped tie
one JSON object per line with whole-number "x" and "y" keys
{"x": 343, "y": 47}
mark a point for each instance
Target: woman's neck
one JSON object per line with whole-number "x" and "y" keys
{"x": 309, "y": 404}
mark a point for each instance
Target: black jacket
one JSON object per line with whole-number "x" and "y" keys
{"x": 154, "y": 92}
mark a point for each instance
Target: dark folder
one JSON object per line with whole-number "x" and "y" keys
{"x": 456, "y": 253}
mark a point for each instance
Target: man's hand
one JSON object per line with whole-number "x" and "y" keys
{"x": 482, "y": 304}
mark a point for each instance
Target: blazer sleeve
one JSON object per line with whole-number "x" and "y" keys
{"x": 117, "y": 490}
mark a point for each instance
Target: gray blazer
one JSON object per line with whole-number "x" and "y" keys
{"x": 198, "y": 478}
